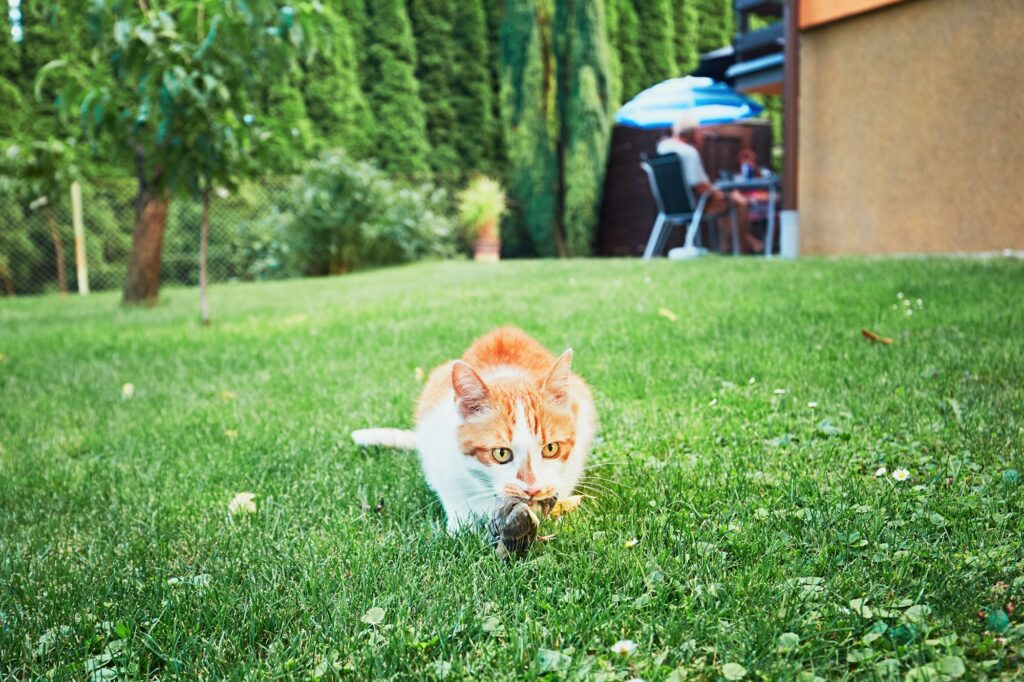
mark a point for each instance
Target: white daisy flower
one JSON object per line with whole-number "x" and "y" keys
{"x": 812, "y": 404}
{"x": 881, "y": 471}
{"x": 242, "y": 503}
{"x": 900, "y": 475}
{"x": 624, "y": 647}
{"x": 127, "y": 391}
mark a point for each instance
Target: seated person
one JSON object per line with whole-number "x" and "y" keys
{"x": 757, "y": 199}
{"x": 684, "y": 142}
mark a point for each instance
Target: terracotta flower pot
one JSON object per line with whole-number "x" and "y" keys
{"x": 487, "y": 247}
{"x": 487, "y": 250}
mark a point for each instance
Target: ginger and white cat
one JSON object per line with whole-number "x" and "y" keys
{"x": 508, "y": 419}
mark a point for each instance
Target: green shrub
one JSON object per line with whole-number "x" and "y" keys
{"x": 350, "y": 215}
{"x": 262, "y": 249}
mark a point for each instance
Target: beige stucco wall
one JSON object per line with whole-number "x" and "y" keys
{"x": 912, "y": 129}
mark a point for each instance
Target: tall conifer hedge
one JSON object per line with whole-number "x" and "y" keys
{"x": 529, "y": 120}
{"x": 401, "y": 132}
{"x": 476, "y": 136}
{"x": 335, "y": 102}
{"x": 585, "y": 102}
{"x": 436, "y": 62}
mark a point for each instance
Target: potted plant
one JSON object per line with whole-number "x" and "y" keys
{"x": 481, "y": 205}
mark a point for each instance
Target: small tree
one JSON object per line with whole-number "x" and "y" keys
{"x": 182, "y": 104}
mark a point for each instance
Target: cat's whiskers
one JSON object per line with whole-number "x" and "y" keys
{"x": 602, "y": 479}
{"x": 596, "y": 465}
{"x": 602, "y": 488}
{"x": 427, "y": 506}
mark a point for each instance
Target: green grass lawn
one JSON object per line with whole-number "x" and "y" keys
{"x": 739, "y": 448}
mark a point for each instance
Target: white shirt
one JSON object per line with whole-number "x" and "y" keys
{"x": 693, "y": 168}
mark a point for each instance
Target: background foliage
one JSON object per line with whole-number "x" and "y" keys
{"x": 433, "y": 91}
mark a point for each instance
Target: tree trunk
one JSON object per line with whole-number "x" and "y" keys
{"x": 58, "y": 249}
{"x": 142, "y": 287}
{"x": 5, "y": 277}
{"x": 204, "y": 237}
{"x": 143, "y": 284}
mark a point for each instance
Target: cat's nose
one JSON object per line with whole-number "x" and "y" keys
{"x": 533, "y": 492}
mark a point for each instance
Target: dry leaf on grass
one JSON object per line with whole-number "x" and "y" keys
{"x": 566, "y": 505}
{"x": 668, "y": 314}
{"x": 875, "y": 337}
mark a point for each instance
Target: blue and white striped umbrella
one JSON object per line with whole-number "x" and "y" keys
{"x": 660, "y": 105}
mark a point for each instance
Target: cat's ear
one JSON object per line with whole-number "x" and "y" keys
{"x": 470, "y": 390}
{"x": 556, "y": 384}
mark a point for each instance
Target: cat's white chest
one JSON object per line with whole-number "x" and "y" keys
{"x": 461, "y": 482}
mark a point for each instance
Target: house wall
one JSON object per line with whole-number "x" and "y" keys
{"x": 912, "y": 129}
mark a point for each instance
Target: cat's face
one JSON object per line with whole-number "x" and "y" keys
{"x": 522, "y": 431}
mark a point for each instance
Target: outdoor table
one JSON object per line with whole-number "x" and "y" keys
{"x": 772, "y": 185}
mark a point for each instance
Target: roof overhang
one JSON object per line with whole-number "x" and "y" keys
{"x": 818, "y": 12}
{"x": 762, "y": 74}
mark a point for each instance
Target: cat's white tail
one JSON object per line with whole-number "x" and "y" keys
{"x": 402, "y": 439}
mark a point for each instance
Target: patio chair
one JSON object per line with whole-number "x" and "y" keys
{"x": 676, "y": 204}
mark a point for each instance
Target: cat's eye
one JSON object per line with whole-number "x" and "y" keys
{"x": 550, "y": 450}
{"x": 501, "y": 455}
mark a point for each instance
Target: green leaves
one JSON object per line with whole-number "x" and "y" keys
{"x": 373, "y": 616}
{"x": 733, "y": 671}
{"x": 951, "y": 666}
{"x": 549, "y": 660}
{"x": 122, "y": 33}
{"x": 997, "y": 621}
{"x": 788, "y": 641}
{"x": 146, "y": 35}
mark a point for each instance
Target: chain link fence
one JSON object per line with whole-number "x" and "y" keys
{"x": 37, "y": 242}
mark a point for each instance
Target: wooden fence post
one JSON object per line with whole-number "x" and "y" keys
{"x": 81, "y": 265}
